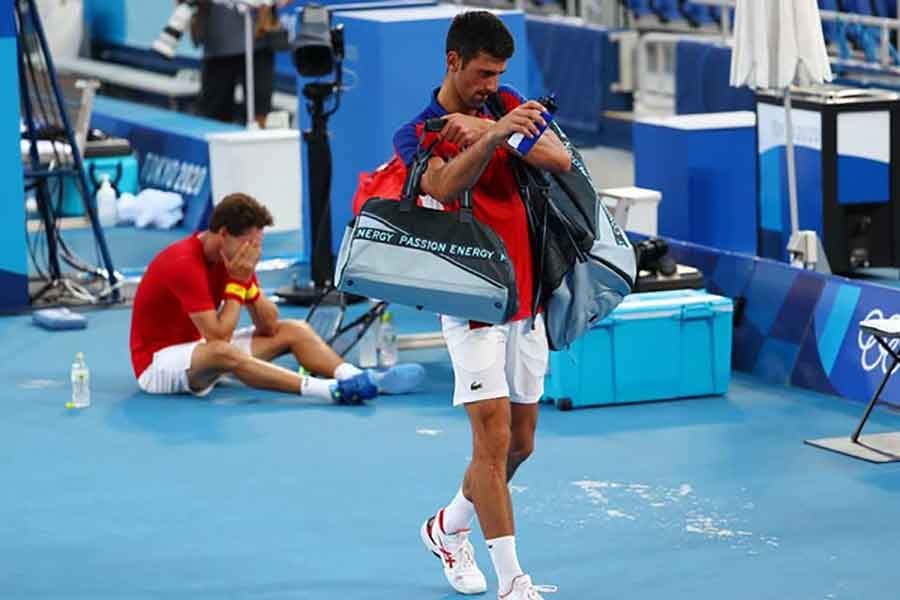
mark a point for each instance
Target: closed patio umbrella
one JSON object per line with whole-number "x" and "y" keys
{"x": 779, "y": 43}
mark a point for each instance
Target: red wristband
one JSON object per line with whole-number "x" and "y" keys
{"x": 253, "y": 293}
{"x": 236, "y": 290}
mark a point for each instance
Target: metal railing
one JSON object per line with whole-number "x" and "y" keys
{"x": 610, "y": 13}
{"x": 884, "y": 24}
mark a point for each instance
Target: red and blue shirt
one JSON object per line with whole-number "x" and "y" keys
{"x": 496, "y": 199}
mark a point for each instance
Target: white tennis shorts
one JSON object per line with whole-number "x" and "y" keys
{"x": 500, "y": 361}
{"x": 167, "y": 374}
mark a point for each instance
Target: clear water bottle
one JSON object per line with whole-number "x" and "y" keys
{"x": 368, "y": 347}
{"x": 387, "y": 342}
{"x": 81, "y": 383}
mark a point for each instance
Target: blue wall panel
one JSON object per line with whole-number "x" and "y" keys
{"x": 798, "y": 327}
{"x": 13, "y": 261}
{"x": 701, "y": 80}
{"x": 705, "y": 199}
{"x": 579, "y": 64}
{"x": 7, "y": 21}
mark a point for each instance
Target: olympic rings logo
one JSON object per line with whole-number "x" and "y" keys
{"x": 871, "y": 354}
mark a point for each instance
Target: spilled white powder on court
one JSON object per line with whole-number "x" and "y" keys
{"x": 618, "y": 514}
{"x": 431, "y": 432}
{"x": 678, "y": 509}
{"x": 592, "y": 489}
{"x": 711, "y": 527}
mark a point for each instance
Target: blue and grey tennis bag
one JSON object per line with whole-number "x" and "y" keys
{"x": 589, "y": 263}
{"x": 584, "y": 263}
{"x": 444, "y": 262}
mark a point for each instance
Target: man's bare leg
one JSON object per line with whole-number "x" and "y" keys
{"x": 485, "y": 481}
{"x": 210, "y": 360}
{"x": 503, "y": 438}
{"x": 524, "y": 424}
{"x": 460, "y": 512}
{"x": 298, "y": 338}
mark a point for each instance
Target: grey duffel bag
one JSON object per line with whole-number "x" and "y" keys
{"x": 440, "y": 261}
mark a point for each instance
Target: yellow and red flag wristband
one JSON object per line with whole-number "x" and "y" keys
{"x": 253, "y": 292}
{"x": 242, "y": 291}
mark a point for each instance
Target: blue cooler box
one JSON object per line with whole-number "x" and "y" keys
{"x": 654, "y": 346}
{"x": 123, "y": 174}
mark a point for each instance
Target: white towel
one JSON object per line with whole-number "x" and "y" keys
{"x": 151, "y": 208}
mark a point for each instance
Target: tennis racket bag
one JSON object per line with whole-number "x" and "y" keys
{"x": 585, "y": 264}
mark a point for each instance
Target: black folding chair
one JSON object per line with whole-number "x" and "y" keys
{"x": 878, "y": 447}
{"x": 326, "y": 317}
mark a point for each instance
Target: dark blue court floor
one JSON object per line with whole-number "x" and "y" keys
{"x": 263, "y": 496}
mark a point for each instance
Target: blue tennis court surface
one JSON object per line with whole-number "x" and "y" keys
{"x": 260, "y": 495}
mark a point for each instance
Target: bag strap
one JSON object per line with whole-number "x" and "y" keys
{"x": 530, "y": 181}
{"x": 412, "y": 186}
{"x": 465, "y": 207}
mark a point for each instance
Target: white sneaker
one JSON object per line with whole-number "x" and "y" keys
{"x": 457, "y": 557}
{"x": 523, "y": 589}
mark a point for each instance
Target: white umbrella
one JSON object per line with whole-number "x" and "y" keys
{"x": 778, "y": 43}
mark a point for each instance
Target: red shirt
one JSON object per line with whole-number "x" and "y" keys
{"x": 179, "y": 281}
{"x": 497, "y": 204}
{"x": 496, "y": 198}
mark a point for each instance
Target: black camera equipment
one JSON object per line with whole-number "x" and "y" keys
{"x": 318, "y": 51}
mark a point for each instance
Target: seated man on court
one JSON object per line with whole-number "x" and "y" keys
{"x": 184, "y": 335}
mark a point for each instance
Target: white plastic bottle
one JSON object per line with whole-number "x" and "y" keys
{"x": 106, "y": 203}
{"x": 81, "y": 383}
{"x": 368, "y": 344}
{"x": 387, "y": 342}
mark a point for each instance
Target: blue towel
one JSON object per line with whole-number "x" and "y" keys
{"x": 58, "y": 319}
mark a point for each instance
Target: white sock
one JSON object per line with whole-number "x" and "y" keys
{"x": 458, "y": 514}
{"x": 317, "y": 388}
{"x": 506, "y": 563}
{"x": 346, "y": 371}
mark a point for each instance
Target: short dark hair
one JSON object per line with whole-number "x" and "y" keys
{"x": 238, "y": 213}
{"x": 479, "y": 31}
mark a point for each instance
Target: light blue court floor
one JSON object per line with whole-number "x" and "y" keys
{"x": 262, "y": 496}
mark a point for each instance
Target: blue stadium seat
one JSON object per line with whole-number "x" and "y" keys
{"x": 716, "y": 13}
{"x": 666, "y": 10}
{"x": 638, "y": 8}
{"x": 829, "y": 28}
{"x": 696, "y": 14}
{"x": 885, "y": 8}
{"x": 865, "y": 38}
{"x": 861, "y": 7}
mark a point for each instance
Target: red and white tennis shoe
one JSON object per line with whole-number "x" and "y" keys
{"x": 456, "y": 554}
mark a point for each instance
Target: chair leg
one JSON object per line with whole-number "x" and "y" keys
{"x": 855, "y": 436}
